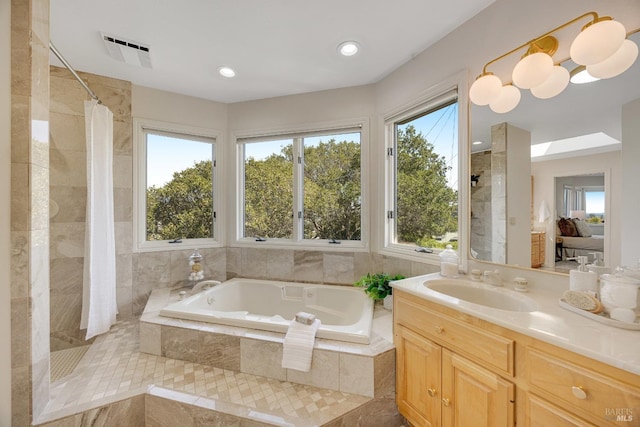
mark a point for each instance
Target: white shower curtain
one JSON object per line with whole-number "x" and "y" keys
{"x": 99, "y": 306}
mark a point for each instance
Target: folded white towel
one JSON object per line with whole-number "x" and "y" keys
{"x": 298, "y": 345}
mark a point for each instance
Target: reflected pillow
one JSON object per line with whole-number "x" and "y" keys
{"x": 582, "y": 228}
{"x": 567, "y": 227}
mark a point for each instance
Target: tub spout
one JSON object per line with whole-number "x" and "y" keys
{"x": 205, "y": 284}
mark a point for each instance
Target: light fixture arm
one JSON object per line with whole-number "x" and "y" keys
{"x": 531, "y": 42}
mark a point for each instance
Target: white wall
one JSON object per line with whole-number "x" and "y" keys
{"x": 5, "y": 212}
{"x": 173, "y": 108}
{"x": 630, "y": 202}
{"x": 544, "y": 174}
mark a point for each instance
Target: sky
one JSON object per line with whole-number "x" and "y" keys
{"x": 441, "y": 129}
{"x": 166, "y": 155}
{"x": 594, "y": 201}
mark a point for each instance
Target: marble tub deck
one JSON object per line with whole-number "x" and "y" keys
{"x": 164, "y": 391}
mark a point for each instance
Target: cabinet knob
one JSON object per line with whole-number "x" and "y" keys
{"x": 445, "y": 401}
{"x": 579, "y": 392}
{"x": 432, "y": 392}
{"x": 439, "y": 329}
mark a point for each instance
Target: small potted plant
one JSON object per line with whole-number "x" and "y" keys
{"x": 378, "y": 288}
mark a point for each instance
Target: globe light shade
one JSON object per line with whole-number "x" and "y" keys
{"x": 597, "y": 42}
{"x": 532, "y": 70}
{"x": 617, "y": 63}
{"x": 554, "y": 85}
{"x": 485, "y": 89}
{"x": 508, "y": 99}
{"x": 580, "y": 75}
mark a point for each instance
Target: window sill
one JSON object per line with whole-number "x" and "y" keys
{"x": 411, "y": 255}
{"x": 165, "y": 246}
{"x": 324, "y": 245}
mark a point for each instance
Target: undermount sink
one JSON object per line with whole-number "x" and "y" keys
{"x": 483, "y": 294}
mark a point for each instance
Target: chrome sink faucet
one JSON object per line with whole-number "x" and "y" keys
{"x": 492, "y": 277}
{"x": 205, "y": 284}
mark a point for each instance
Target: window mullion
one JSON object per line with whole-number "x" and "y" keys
{"x": 298, "y": 189}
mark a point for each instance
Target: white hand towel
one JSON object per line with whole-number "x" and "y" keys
{"x": 543, "y": 212}
{"x": 298, "y": 345}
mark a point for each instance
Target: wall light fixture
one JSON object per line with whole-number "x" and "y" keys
{"x": 601, "y": 47}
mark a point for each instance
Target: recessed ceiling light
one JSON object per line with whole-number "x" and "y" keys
{"x": 348, "y": 48}
{"x": 226, "y": 72}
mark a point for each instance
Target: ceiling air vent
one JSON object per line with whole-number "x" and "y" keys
{"x": 128, "y": 51}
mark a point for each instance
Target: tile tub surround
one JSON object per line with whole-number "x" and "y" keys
{"x": 367, "y": 370}
{"x": 115, "y": 382}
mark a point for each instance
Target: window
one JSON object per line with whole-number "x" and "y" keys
{"x": 422, "y": 176}
{"x": 175, "y": 187}
{"x": 590, "y": 199}
{"x": 302, "y": 188}
{"x": 594, "y": 205}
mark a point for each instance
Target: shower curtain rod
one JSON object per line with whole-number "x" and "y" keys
{"x": 66, "y": 64}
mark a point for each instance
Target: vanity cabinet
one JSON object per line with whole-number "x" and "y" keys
{"x": 455, "y": 369}
{"x": 439, "y": 386}
{"x": 537, "y": 248}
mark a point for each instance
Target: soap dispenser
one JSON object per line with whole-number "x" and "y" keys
{"x": 582, "y": 279}
{"x": 598, "y": 265}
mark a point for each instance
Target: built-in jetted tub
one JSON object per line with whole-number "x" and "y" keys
{"x": 346, "y": 313}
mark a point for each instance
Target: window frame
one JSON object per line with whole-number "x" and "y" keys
{"x": 298, "y": 241}
{"x": 215, "y": 137}
{"x": 436, "y": 96}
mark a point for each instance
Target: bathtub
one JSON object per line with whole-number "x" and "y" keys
{"x": 346, "y": 313}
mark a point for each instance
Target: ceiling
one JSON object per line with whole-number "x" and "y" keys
{"x": 277, "y": 47}
{"x": 285, "y": 47}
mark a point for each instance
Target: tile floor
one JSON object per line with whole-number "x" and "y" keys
{"x": 114, "y": 369}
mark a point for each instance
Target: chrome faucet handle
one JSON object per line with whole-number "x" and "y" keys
{"x": 492, "y": 277}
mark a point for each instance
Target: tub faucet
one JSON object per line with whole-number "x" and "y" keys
{"x": 205, "y": 284}
{"x": 492, "y": 277}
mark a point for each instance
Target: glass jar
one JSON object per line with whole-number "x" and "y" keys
{"x": 449, "y": 262}
{"x": 195, "y": 262}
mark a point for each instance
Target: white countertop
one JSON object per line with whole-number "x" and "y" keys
{"x": 550, "y": 323}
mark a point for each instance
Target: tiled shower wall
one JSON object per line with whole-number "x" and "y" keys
{"x": 68, "y": 193}
{"x": 29, "y": 209}
{"x": 138, "y": 274}
{"x": 481, "y": 205}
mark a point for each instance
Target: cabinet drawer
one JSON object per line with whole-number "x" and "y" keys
{"x": 493, "y": 350}
{"x": 541, "y": 413}
{"x": 604, "y": 398}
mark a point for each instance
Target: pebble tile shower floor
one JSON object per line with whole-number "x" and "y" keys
{"x": 113, "y": 368}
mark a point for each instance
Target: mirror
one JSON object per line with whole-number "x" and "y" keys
{"x": 515, "y": 199}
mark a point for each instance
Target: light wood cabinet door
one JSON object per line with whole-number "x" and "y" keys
{"x": 418, "y": 378}
{"x": 474, "y": 396}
